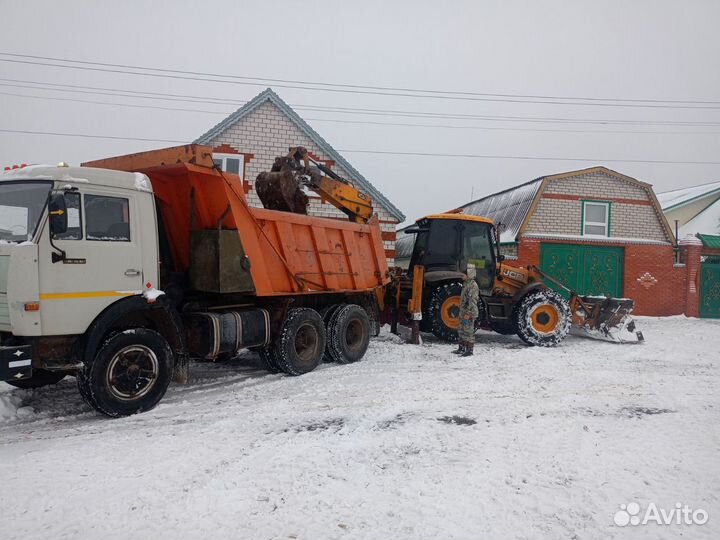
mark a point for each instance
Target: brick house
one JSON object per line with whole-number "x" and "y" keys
{"x": 695, "y": 211}
{"x": 248, "y": 141}
{"x": 598, "y": 232}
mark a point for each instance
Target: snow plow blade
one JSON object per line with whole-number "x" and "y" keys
{"x": 607, "y": 319}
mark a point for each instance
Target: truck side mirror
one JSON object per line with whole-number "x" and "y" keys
{"x": 58, "y": 214}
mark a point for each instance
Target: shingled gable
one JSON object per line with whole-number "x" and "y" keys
{"x": 272, "y": 97}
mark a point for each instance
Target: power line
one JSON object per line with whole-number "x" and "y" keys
{"x": 483, "y": 156}
{"x": 88, "y": 136}
{"x": 170, "y": 74}
{"x": 344, "y": 110}
{"x": 368, "y": 122}
{"x": 265, "y": 80}
{"x": 421, "y": 154}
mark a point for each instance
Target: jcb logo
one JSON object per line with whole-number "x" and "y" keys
{"x": 511, "y": 274}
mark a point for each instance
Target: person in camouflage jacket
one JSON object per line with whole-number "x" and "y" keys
{"x": 469, "y": 299}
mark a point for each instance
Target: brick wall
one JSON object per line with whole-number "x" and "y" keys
{"x": 632, "y": 214}
{"x": 267, "y": 133}
{"x": 650, "y": 277}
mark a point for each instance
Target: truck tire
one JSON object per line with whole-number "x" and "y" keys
{"x": 542, "y": 317}
{"x": 129, "y": 374}
{"x": 301, "y": 344}
{"x": 269, "y": 360}
{"x": 348, "y": 334}
{"x": 326, "y": 314}
{"x": 443, "y": 311}
{"x": 40, "y": 378}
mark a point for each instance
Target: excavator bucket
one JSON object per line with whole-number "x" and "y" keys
{"x": 607, "y": 319}
{"x": 279, "y": 190}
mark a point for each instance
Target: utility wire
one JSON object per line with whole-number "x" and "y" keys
{"x": 234, "y": 81}
{"x": 343, "y": 110}
{"x": 421, "y": 154}
{"x": 369, "y": 122}
{"x": 265, "y": 80}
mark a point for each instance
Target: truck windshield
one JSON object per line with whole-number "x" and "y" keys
{"x": 21, "y": 205}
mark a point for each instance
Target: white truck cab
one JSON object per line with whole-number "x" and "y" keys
{"x": 75, "y": 243}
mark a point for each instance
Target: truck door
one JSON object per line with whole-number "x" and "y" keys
{"x": 102, "y": 264}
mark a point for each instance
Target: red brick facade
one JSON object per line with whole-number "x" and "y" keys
{"x": 650, "y": 276}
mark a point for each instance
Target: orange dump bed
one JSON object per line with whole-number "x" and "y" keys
{"x": 289, "y": 253}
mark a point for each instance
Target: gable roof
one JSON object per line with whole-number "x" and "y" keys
{"x": 680, "y": 197}
{"x": 269, "y": 95}
{"x": 513, "y": 207}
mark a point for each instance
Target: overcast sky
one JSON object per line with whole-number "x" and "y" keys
{"x": 622, "y": 50}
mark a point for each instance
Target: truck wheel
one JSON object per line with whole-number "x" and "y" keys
{"x": 129, "y": 374}
{"x": 40, "y": 378}
{"x": 542, "y": 317}
{"x": 270, "y": 360}
{"x": 443, "y": 311}
{"x": 301, "y": 344}
{"x": 326, "y": 314}
{"x": 348, "y": 334}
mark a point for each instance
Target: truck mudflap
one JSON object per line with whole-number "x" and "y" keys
{"x": 15, "y": 363}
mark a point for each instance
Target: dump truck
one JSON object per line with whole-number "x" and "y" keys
{"x": 120, "y": 271}
{"x": 513, "y": 299}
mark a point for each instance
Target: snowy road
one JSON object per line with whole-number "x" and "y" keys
{"x": 412, "y": 442}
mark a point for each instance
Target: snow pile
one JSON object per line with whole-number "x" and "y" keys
{"x": 11, "y": 405}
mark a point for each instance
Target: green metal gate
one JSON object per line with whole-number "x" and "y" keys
{"x": 710, "y": 290}
{"x": 592, "y": 270}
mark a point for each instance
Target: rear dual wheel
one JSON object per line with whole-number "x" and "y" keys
{"x": 300, "y": 347}
{"x": 348, "y": 334}
{"x": 341, "y": 334}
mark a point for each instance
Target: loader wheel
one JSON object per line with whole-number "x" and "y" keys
{"x": 348, "y": 334}
{"x": 443, "y": 311}
{"x": 129, "y": 374}
{"x": 301, "y": 344}
{"x": 40, "y": 378}
{"x": 542, "y": 317}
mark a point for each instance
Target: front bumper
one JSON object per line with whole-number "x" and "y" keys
{"x": 15, "y": 363}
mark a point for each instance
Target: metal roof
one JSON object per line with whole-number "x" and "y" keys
{"x": 710, "y": 240}
{"x": 679, "y": 197}
{"x": 269, "y": 95}
{"x": 508, "y": 208}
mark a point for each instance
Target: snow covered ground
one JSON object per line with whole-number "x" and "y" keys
{"x": 412, "y": 442}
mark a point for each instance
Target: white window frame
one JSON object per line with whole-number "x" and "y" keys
{"x": 605, "y": 224}
{"x": 224, "y": 158}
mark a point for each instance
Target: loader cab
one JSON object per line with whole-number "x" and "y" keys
{"x": 448, "y": 242}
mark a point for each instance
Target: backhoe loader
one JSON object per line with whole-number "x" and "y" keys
{"x": 514, "y": 300}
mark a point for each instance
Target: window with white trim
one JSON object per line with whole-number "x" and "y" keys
{"x": 596, "y": 218}
{"x": 232, "y": 163}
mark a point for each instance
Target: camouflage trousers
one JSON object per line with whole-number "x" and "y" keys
{"x": 467, "y": 330}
